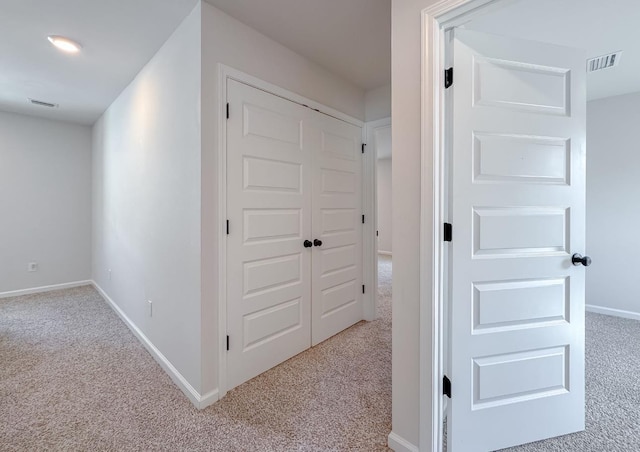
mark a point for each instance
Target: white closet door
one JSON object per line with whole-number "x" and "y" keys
{"x": 269, "y": 208}
{"x": 337, "y": 224}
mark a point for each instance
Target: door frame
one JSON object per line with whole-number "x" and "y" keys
{"x": 371, "y": 161}
{"x": 436, "y": 21}
{"x": 226, "y": 73}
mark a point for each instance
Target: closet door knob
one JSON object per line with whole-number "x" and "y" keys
{"x": 308, "y": 244}
{"x": 317, "y": 242}
{"x": 577, "y": 259}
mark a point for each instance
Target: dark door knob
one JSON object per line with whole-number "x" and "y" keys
{"x": 317, "y": 242}
{"x": 308, "y": 244}
{"x": 577, "y": 259}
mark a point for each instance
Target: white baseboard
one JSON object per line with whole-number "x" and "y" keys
{"x": 613, "y": 312}
{"x": 399, "y": 444}
{"x": 18, "y": 293}
{"x": 200, "y": 401}
{"x": 384, "y": 253}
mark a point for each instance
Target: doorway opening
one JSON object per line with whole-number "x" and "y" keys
{"x": 594, "y": 104}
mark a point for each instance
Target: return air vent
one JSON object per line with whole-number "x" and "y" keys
{"x": 42, "y": 103}
{"x": 604, "y": 61}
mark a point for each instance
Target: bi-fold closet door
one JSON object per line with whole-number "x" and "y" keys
{"x": 294, "y": 248}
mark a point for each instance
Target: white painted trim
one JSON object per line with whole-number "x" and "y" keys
{"x": 385, "y": 253}
{"x": 399, "y": 444}
{"x": 436, "y": 19}
{"x": 33, "y": 290}
{"x": 193, "y": 395}
{"x": 225, "y": 73}
{"x": 613, "y": 312}
{"x": 370, "y": 193}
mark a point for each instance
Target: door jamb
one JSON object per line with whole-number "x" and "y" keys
{"x": 370, "y": 173}
{"x": 224, "y": 74}
{"x": 436, "y": 19}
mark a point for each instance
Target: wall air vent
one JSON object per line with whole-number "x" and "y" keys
{"x": 42, "y": 103}
{"x": 604, "y": 61}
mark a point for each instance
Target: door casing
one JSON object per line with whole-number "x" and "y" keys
{"x": 368, "y": 174}
{"x": 436, "y": 21}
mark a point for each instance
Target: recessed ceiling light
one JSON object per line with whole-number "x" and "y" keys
{"x": 64, "y": 44}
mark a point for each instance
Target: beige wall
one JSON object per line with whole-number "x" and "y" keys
{"x": 613, "y": 172}
{"x": 45, "y": 194}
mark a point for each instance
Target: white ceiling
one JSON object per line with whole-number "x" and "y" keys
{"x": 598, "y": 26}
{"x": 118, "y": 37}
{"x": 351, "y": 38}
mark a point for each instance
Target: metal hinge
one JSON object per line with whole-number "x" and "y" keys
{"x": 446, "y": 386}
{"x": 227, "y": 342}
{"x": 377, "y": 233}
{"x": 363, "y": 288}
{"x": 363, "y": 146}
{"x": 227, "y": 110}
{"x": 362, "y": 219}
{"x": 448, "y": 77}
{"x": 448, "y": 232}
{"x": 227, "y": 227}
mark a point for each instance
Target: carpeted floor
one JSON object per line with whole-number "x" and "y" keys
{"x": 612, "y": 391}
{"x": 73, "y": 377}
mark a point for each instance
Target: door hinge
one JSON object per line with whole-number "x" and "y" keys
{"x": 446, "y": 386}
{"x": 448, "y": 232}
{"x": 227, "y": 227}
{"x": 363, "y": 288}
{"x": 227, "y": 342}
{"x": 448, "y": 77}
{"x": 377, "y": 233}
{"x": 364, "y": 145}
{"x": 362, "y": 219}
{"x": 227, "y": 110}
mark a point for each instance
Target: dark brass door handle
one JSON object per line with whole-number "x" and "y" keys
{"x": 317, "y": 242}
{"x": 307, "y": 244}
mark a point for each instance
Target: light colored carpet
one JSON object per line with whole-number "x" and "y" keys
{"x": 73, "y": 377}
{"x": 612, "y": 391}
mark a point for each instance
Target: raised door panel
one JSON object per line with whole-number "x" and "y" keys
{"x": 517, "y": 203}
{"x": 337, "y": 210}
{"x": 269, "y": 209}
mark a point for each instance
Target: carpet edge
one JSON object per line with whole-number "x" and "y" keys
{"x": 199, "y": 401}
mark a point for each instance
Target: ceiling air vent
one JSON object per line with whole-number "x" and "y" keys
{"x": 604, "y": 61}
{"x": 42, "y": 103}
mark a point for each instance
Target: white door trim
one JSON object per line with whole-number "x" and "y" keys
{"x": 436, "y": 19}
{"x": 370, "y": 192}
{"x": 225, "y": 73}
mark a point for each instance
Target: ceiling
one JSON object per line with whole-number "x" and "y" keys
{"x": 598, "y": 26}
{"x": 118, "y": 36}
{"x": 351, "y": 38}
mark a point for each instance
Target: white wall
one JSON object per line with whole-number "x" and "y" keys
{"x": 146, "y": 200}
{"x": 378, "y": 103}
{"x": 230, "y": 42}
{"x": 406, "y": 112}
{"x": 45, "y": 194}
{"x": 613, "y": 191}
{"x": 384, "y": 205}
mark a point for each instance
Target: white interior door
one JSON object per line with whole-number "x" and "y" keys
{"x": 269, "y": 211}
{"x": 337, "y": 227}
{"x": 517, "y": 205}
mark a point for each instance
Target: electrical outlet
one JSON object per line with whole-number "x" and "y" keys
{"x": 109, "y": 274}
{"x": 150, "y": 303}
{"x": 32, "y": 267}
